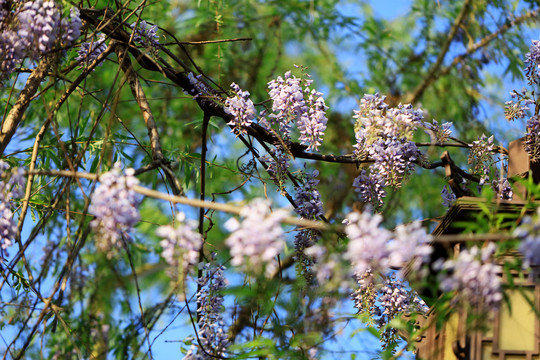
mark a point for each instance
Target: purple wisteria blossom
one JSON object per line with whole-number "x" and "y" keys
{"x": 200, "y": 89}
{"x": 532, "y": 59}
{"x": 72, "y": 28}
{"x": 241, "y": 108}
{"x": 396, "y": 299}
{"x": 370, "y": 187}
{"x": 258, "y": 239}
{"x": 384, "y": 302}
{"x": 365, "y": 295}
{"x": 180, "y": 244}
{"x": 288, "y": 102}
{"x": 439, "y": 133}
{"x": 384, "y": 135}
{"x": 517, "y": 109}
{"x": 473, "y": 277}
{"x": 371, "y": 247}
{"x": 532, "y": 138}
{"x": 212, "y": 332}
{"x": 481, "y": 157}
{"x": 39, "y": 23}
{"x": 294, "y": 102}
{"x": 313, "y": 123}
{"x": 90, "y": 50}
{"x": 309, "y": 206}
{"x": 375, "y": 119}
{"x": 277, "y": 165}
{"x": 394, "y": 159}
{"x": 114, "y": 204}
{"x": 502, "y": 188}
{"x": 308, "y": 197}
{"x": 145, "y": 34}
{"x": 529, "y": 233}
{"x": 11, "y": 186}
{"x": 519, "y": 105}
{"x": 410, "y": 245}
{"x": 448, "y": 197}
{"x": 31, "y": 29}
{"x": 367, "y": 248}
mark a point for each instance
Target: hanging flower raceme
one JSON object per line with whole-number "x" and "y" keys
{"x": 532, "y": 59}
{"x": 258, "y": 239}
{"x": 180, "y": 244}
{"x": 529, "y": 233}
{"x": 481, "y": 157}
{"x": 213, "y": 337}
{"x": 367, "y": 243}
{"x": 385, "y": 302}
{"x": 502, "y": 188}
{"x": 145, "y": 34}
{"x": 31, "y": 29}
{"x": 439, "y": 133}
{"x": 90, "y": 50}
{"x": 294, "y": 102}
{"x": 241, "y": 108}
{"x": 114, "y": 204}
{"x": 384, "y": 135}
{"x": 473, "y": 277}
{"x": 372, "y": 247}
{"x": 448, "y": 197}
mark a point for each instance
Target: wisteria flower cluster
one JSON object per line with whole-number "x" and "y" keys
{"x": 529, "y": 233}
{"x": 11, "y": 186}
{"x": 518, "y": 107}
{"x": 440, "y": 133}
{"x": 384, "y": 302}
{"x": 532, "y": 138}
{"x": 200, "y": 89}
{"x": 294, "y": 102}
{"x": 180, "y": 244}
{"x": 308, "y": 197}
{"x": 384, "y": 135}
{"x": 394, "y": 159}
{"x": 90, "y": 50}
{"x": 375, "y": 119}
{"x": 365, "y": 296}
{"x": 277, "y": 164}
{"x": 31, "y": 29}
{"x": 448, "y": 197}
{"x": 114, "y": 204}
{"x": 372, "y": 247}
{"x": 503, "y": 188}
{"x": 481, "y": 157}
{"x": 258, "y": 239}
{"x": 212, "y": 333}
{"x": 473, "y": 277}
{"x": 145, "y": 34}
{"x": 371, "y": 188}
{"x": 532, "y": 59}
{"x": 309, "y": 206}
{"x": 241, "y": 108}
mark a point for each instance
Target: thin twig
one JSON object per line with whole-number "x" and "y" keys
{"x": 432, "y": 72}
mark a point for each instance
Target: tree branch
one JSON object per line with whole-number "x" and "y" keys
{"x": 432, "y": 72}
